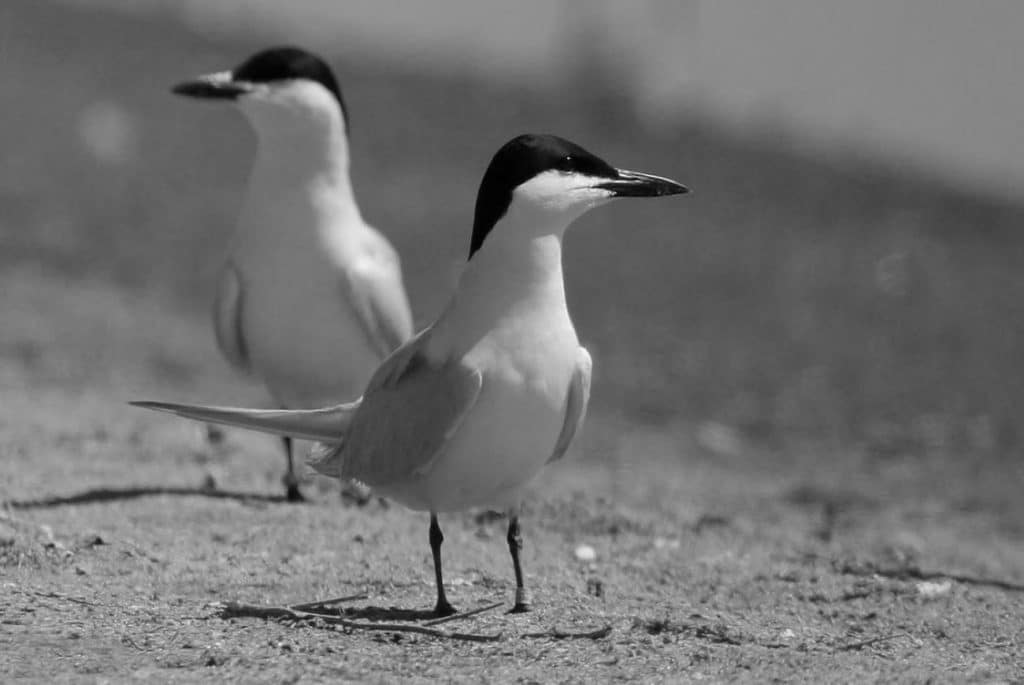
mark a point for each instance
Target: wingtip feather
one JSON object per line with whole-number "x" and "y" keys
{"x": 150, "y": 404}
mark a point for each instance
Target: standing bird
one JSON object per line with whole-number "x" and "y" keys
{"x": 310, "y": 298}
{"x": 468, "y": 411}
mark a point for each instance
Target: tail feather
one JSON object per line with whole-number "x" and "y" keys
{"x": 329, "y": 424}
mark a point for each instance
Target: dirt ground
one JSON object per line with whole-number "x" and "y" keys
{"x": 691, "y": 536}
{"x": 712, "y": 560}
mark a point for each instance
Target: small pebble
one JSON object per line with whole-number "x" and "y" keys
{"x": 931, "y": 590}
{"x": 585, "y": 553}
{"x": 665, "y": 543}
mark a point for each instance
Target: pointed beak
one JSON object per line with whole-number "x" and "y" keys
{"x": 637, "y": 184}
{"x": 219, "y": 86}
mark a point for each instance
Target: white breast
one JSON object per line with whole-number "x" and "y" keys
{"x": 301, "y": 333}
{"x": 509, "y": 320}
{"x": 527, "y": 365}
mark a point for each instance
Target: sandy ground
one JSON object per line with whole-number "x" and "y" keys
{"x": 802, "y": 461}
{"x": 721, "y": 565}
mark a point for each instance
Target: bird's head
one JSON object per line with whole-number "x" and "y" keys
{"x": 280, "y": 90}
{"x": 553, "y": 178}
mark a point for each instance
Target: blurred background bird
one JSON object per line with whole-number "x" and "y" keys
{"x": 311, "y": 297}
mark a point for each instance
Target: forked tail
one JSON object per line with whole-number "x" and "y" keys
{"x": 329, "y": 424}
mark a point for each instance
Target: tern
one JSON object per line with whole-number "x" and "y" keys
{"x": 310, "y": 298}
{"x": 465, "y": 413}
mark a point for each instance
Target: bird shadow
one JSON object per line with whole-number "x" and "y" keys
{"x": 96, "y": 495}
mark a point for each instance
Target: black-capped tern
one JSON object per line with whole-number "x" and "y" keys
{"x": 469, "y": 410}
{"x": 310, "y": 298}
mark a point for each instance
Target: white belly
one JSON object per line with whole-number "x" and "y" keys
{"x": 301, "y": 333}
{"x": 508, "y": 436}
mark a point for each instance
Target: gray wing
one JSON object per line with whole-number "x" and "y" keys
{"x": 374, "y": 288}
{"x": 227, "y": 318}
{"x": 575, "y": 404}
{"x": 411, "y": 409}
{"x": 329, "y": 457}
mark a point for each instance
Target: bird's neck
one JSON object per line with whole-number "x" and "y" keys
{"x": 293, "y": 156}
{"x": 299, "y": 171}
{"x": 515, "y": 275}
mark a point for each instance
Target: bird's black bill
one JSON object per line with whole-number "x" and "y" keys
{"x": 637, "y": 184}
{"x": 210, "y": 89}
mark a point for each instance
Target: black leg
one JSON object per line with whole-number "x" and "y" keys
{"x": 214, "y": 434}
{"x": 291, "y": 483}
{"x": 515, "y": 546}
{"x": 443, "y": 608}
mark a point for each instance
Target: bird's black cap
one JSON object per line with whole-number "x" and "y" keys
{"x": 519, "y": 160}
{"x": 274, "y": 64}
{"x": 528, "y": 155}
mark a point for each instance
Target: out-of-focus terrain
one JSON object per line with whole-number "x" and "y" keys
{"x": 806, "y": 371}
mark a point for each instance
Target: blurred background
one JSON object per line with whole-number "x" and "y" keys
{"x": 847, "y": 271}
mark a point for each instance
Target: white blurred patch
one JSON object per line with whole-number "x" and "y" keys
{"x": 933, "y": 590}
{"x": 585, "y": 553}
{"x": 892, "y": 274}
{"x": 720, "y": 439}
{"x": 109, "y": 132}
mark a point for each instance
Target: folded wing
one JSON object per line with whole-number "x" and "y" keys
{"x": 411, "y": 409}
{"x": 575, "y": 404}
{"x": 227, "y": 318}
{"x": 373, "y": 286}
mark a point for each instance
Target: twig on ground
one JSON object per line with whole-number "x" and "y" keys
{"x": 916, "y": 573}
{"x": 854, "y": 594}
{"x": 115, "y": 494}
{"x": 715, "y": 634}
{"x": 237, "y": 609}
{"x": 871, "y": 641}
{"x": 775, "y": 645}
{"x": 559, "y": 634}
{"x": 68, "y": 598}
{"x": 311, "y": 606}
{"x": 127, "y": 639}
{"x": 464, "y": 614}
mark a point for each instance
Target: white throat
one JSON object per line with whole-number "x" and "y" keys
{"x": 302, "y": 160}
{"x": 522, "y": 253}
{"x": 516, "y": 274}
{"x": 301, "y": 130}
{"x": 300, "y": 149}
{"x": 300, "y": 195}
